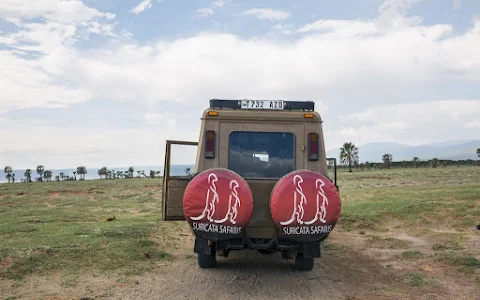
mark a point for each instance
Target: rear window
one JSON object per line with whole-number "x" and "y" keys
{"x": 261, "y": 154}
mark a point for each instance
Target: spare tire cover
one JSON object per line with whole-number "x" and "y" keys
{"x": 305, "y": 206}
{"x": 218, "y": 204}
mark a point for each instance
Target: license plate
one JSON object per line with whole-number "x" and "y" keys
{"x": 262, "y": 104}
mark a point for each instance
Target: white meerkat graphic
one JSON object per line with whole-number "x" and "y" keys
{"x": 212, "y": 199}
{"x": 233, "y": 204}
{"x": 298, "y": 210}
{"x": 321, "y": 213}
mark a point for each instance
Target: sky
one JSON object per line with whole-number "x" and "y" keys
{"x": 106, "y": 82}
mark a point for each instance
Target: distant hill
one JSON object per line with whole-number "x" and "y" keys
{"x": 454, "y": 150}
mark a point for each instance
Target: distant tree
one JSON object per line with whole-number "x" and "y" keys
{"x": 478, "y": 152}
{"x": 8, "y": 170}
{"x": 103, "y": 172}
{"x": 74, "y": 175}
{"x": 82, "y": 170}
{"x": 47, "y": 175}
{"x": 434, "y": 162}
{"x": 57, "y": 178}
{"x": 130, "y": 172}
{"x": 349, "y": 154}
{"x": 28, "y": 175}
{"x": 367, "y": 165}
{"x": 13, "y": 177}
{"x": 119, "y": 174}
{"x": 152, "y": 174}
{"x": 62, "y": 176}
{"x": 387, "y": 160}
{"x": 187, "y": 171}
{"x": 416, "y": 161}
{"x": 138, "y": 173}
{"x": 40, "y": 170}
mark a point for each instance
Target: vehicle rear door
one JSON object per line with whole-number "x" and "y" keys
{"x": 173, "y": 185}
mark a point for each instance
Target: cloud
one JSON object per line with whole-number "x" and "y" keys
{"x": 210, "y": 10}
{"x": 268, "y": 14}
{"x": 385, "y": 80}
{"x": 52, "y": 10}
{"x": 413, "y": 123}
{"x": 204, "y": 12}
{"x": 142, "y": 6}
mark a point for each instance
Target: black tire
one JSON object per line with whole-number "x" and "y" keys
{"x": 302, "y": 263}
{"x": 287, "y": 255}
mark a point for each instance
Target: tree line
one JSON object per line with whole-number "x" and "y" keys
{"x": 349, "y": 157}
{"x": 81, "y": 171}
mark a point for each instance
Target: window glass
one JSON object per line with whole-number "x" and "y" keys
{"x": 261, "y": 154}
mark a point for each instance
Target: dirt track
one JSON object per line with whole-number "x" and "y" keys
{"x": 344, "y": 272}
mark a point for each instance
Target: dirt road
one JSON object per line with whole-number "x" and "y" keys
{"x": 353, "y": 266}
{"x": 344, "y": 272}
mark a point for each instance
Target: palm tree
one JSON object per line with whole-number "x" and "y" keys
{"x": 48, "y": 175}
{"x": 387, "y": 159}
{"x": 40, "y": 170}
{"x": 81, "y": 170}
{"x": 152, "y": 174}
{"x": 28, "y": 175}
{"x": 103, "y": 172}
{"x": 8, "y": 170}
{"x": 416, "y": 161}
{"x": 130, "y": 172}
{"x": 13, "y": 177}
{"x": 349, "y": 154}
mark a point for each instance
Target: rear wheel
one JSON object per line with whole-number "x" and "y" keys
{"x": 302, "y": 263}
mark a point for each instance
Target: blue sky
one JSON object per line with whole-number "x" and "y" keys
{"x": 106, "y": 82}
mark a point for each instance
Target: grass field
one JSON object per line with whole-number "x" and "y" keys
{"x": 414, "y": 217}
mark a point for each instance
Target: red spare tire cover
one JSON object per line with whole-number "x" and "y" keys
{"x": 305, "y": 206}
{"x": 218, "y": 204}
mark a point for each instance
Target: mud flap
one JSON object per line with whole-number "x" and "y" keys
{"x": 202, "y": 246}
{"x": 311, "y": 250}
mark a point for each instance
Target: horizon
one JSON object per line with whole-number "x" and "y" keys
{"x": 107, "y": 83}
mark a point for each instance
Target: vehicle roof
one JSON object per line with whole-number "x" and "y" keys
{"x": 229, "y": 109}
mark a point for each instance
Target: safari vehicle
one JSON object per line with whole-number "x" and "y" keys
{"x": 260, "y": 182}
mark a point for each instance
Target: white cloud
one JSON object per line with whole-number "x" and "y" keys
{"x": 413, "y": 123}
{"x": 361, "y": 68}
{"x": 160, "y": 118}
{"x": 53, "y": 10}
{"x": 204, "y": 12}
{"x": 210, "y": 10}
{"x": 268, "y": 14}
{"x": 145, "y": 4}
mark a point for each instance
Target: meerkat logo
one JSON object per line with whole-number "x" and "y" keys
{"x": 212, "y": 199}
{"x": 299, "y": 200}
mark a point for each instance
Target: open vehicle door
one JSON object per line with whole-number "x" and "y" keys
{"x": 173, "y": 186}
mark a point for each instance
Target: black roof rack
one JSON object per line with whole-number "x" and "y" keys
{"x": 287, "y": 105}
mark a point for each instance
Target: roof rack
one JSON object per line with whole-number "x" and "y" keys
{"x": 262, "y": 104}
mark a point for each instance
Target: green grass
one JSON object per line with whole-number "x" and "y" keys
{"x": 60, "y": 226}
{"x": 416, "y": 197}
{"x": 412, "y": 254}
{"x": 417, "y": 279}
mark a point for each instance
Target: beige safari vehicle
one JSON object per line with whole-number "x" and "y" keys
{"x": 277, "y": 138}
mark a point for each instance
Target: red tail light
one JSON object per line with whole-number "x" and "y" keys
{"x": 313, "y": 146}
{"x": 210, "y": 144}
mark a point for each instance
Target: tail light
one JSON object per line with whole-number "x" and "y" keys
{"x": 210, "y": 144}
{"x": 313, "y": 146}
